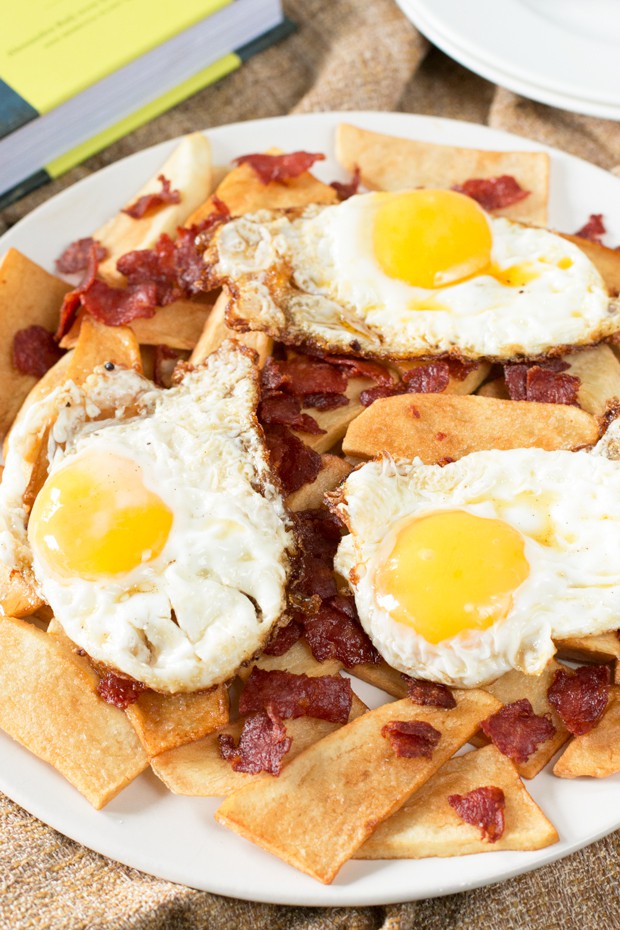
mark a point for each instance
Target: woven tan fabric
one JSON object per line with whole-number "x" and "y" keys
{"x": 347, "y": 54}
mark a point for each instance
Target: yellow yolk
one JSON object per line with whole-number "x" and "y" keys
{"x": 96, "y": 517}
{"x": 431, "y": 238}
{"x": 451, "y": 571}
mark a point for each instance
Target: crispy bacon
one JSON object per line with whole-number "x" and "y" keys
{"x": 325, "y": 697}
{"x": 594, "y": 229}
{"x": 116, "y": 306}
{"x": 334, "y": 632}
{"x": 121, "y": 692}
{"x": 302, "y": 375}
{"x": 361, "y": 368}
{"x": 34, "y": 351}
{"x": 483, "y": 808}
{"x": 320, "y": 532}
{"x": 346, "y": 189}
{"x": 315, "y": 578}
{"x": 580, "y": 697}
{"x": 294, "y": 462}
{"x": 429, "y": 693}
{"x": 279, "y": 167}
{"x": 285, "y": 409}
{"x": 370, "y": 395}
{"x": 411, "y": 739}
{"x": 427, "y": 379}
{"x": 493, "y": 193}
{"x": 517, "y": 731}
{"x": 545, "y": 382}
{"x": 325, "y": 401}
{"x": 284, "y": 639}
{"x": 262, "y": 745}
{"x": 73, "y": 299}
{"x": 75, "y": 256}
{"x": 151, "y": 203}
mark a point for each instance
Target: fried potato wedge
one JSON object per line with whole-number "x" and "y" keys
{"x": 606, "y": 260}
{"x": 599, "y": 372}
{"x": 298, "y": 660}
{"x": 215, "y": 332}
{"x": 436, "y": 427}
{"x": 190, "y": 171}
{"x": 48, "y": 702}
{"x": 177, "y": 325}
{"x": 335, "y": 422}
{"x": 427, "y": 825}
{"x": 597, "y": 753}
{"x": 382, "y": 676}
{"x": 602, "y": 647}
{"x": 322, "y": 807}
{"x": 165, "y": 721}
{"x": 390, "y": 163}
{"x": 98, "y": 344}
{"x": 310, "y": 496}
{"x": 29, "y": 296}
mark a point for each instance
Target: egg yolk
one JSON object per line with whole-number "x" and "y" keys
{"x": 95, "y": 517}
{"x": 451, "y": 571}
{"x": 431, "y": 238}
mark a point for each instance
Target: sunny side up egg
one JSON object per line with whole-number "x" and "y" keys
{"x": 464, "y": 571}
{"x": 159, "y": 538}
{"x": 415, "y": 273}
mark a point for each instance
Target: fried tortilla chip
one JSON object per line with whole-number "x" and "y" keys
{"x": 389, "y": 163}
{"x": 310, "y": 496}
{"x": 427, "y": 825}
{"x": 382, "y": 676}
{"x": 177, "y": 325}
{"x": 495, "y": 388}
{"x": 597, "y": 753}
{"x": 215, "y": 332}
{"x": 601, "y": 647}
{"x": 49, "y": 703}
{"x": 98, "y": 344}
{"x": 165, "y": 721}
{"x": 328, "y": 800}
{"x": 599, "y": 372}
{"x": 439, "y": 427}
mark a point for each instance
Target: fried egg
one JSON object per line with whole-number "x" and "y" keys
{"x": 159, "y": 538}
{"x": 415, "y": 273}
{"x": 464, "y": 571}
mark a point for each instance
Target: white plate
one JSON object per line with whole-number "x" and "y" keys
{"x": 560, "y": 52}
{"x": 177, "y": 838}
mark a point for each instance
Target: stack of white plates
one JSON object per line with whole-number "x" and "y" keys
{"x": 560, "y": 52}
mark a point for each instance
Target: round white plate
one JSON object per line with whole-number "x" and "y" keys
{"x": 560, "y": 52}
{"x": 177, "y": 838}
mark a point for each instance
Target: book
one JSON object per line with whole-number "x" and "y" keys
{"x": 72, "y": 121}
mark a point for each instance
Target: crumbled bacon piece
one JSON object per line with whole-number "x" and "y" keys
{"x": 427, "y": 379}
{"x": 334, "y": 632}
{"x": 164, "y": 361}
{"x": 315, "y": 578}
{"x": 34, "y": 351}
{"x": 75, "y": 256}
{"x": 121, "y": 692}
{"x": 320, "y": 532}
{"x": 460, "y": 369}
{"x": 594, "y": 229}
{"x": 285, "y": 409}
{"x": 73, "y": 299}
{"x": 294, "y": 462}
{"x": 493, "y": 193}
{"x": 517, "y": 731}
{"x": 262, "y": 745}
{"x": 305, "y": 374}
{"x": 483, "y": 808}
{"x": 279, "y": 167}
{"x": 325, "y": 697}
{"x": 325, "y": 401}
{"x": 430, "y": 693}
{"x": 151, "y": 203}
{"x": 117, "y": 306}
{"x": 346, "y": 189}
{"x": 284, "y": 639}
{"x": 370, "y": 395}
{"x": 580, "y": 697}
{"x": 361, "y": 368}
{"x": 546, "y": 382}
{"x": 411, "y": 739}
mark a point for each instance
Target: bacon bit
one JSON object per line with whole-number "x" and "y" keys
{"x": 347, "y": 189}
{"x": 302, "y": 375}
{"x": 151, "y": 203}
{"x": 493, "y": 193}
{"x": 164, "y": 361}
{"x": 580, "y": 697}
{"x": 75, "y": 256}
{"x": 263, "y": 743}
{"x": 73, "y": 299}
{"x": 429, "y": 693}
{"x": 320, "y": 532}
{"x": 294, "y": 462}
{"x": 285, "y": 409}
{"x": 334, "y": 632}
{"x": 411, "y": 739}
{"x": 517, "y": 731}
{"x": 594, "y": 229}
{"x": 325, "y": 697}
{"x": 459, "y": 369}
{"x": 116, "y": 306}
{"x": 361, "y": 368}
{"x": 427, "y": 379}
{"x": 325, "y": 401}
{"x": 279, "y": 167}
{"x": 370, "y": 395}
{"x": 284, "y": 639}
{"x": 315, "y": 578}
{"x": 482, "y": 807}
{"x": 121, "y": 692}
{"x": 34, "y": 351}
{"x": 545, "y": 382}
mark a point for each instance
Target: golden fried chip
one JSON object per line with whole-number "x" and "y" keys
{"x": 29, "y": 296}
{"x": 336, "y": 421}
{"x": 599, "y": 372}
{"x": 382, "y": 676}
{"x": 389, "y": 163}
{"x": 436, "y": 427}
{"x": 427, "y": 825}
{"x": 49, "y": 704}
{"x": 328, "y": 800}
{"x": 597, "y": 753}
{"x": 601, "y": 647}
{"x": 215, "y": 332}
{"x": 98, "y": 344}
{"x": 606, "y": 260}
{"x": 177, "y": 325}
{"x": 310, "y": 496}
{"x": 495, "y": 388}
{"x": 165, "y": 721}
{"x": 190, "y": 172}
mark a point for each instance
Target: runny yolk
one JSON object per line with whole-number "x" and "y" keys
{"x": 95, "y": 517}
{"x": 451, "y": 571}
{"x": 431, "y": 238}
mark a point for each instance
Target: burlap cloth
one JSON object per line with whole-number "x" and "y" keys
{"x": 345, "y": 55}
